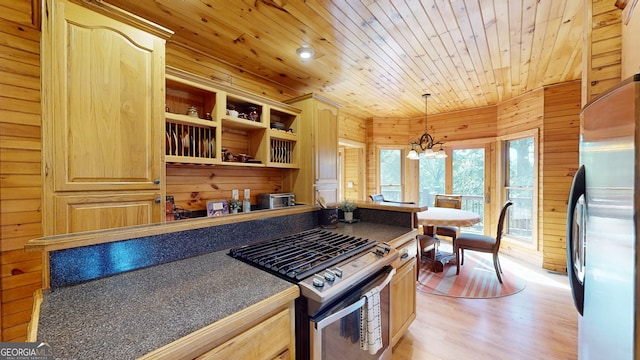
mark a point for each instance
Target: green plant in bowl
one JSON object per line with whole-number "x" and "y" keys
{"x": 347, "y": 206}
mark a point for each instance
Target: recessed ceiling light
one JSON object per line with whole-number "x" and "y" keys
{"x": 305, "y": 52}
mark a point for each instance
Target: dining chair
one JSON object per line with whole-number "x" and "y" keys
{"x": 428, "y": 245}
{"x": 482, "y": 243}
{"x": 448, "y": 201}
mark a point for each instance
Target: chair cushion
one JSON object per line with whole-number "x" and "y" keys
{"x": 450, "y": 231}
{"x": 475, "y": 241}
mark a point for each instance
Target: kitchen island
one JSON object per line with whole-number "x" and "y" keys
{"x": 185, "y": 307}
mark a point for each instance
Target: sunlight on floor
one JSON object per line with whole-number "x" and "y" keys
{"x": 520, "y": 268}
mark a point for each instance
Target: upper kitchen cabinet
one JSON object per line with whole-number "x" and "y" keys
{"x": 319, "y": 140}
{"x": 214, "y": 124}
{"x": 103, "y": 108}
{"x": 193, "y": 113}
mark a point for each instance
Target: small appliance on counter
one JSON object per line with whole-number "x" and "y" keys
{"x": 277, "y": 200}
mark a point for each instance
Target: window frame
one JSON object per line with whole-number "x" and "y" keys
{"x": 403, "y": 169}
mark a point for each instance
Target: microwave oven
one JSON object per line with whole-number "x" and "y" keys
{"x": 272, "y": 201}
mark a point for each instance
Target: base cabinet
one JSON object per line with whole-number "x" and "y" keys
{"x": 403, "y": 291}
{"x": 267, "y": 340}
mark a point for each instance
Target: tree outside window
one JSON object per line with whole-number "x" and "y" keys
{"x": 391, "y": 171}
{"x": 519, "y": 187}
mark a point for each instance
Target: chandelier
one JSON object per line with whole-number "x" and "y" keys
{"x": 426, "y": 141}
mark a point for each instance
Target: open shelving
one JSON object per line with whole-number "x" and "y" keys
{"x": 256, "y": 131}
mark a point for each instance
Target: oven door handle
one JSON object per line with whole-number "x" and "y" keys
{"x": 351, "y": 308}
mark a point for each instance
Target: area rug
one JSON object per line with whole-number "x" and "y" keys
{"x": 477, "y": 279}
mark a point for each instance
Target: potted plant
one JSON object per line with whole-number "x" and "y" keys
{"x": 347, "y": 208}
{"x": 234, "y": 205}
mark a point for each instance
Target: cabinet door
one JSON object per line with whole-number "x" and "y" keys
{"x": 76, "y": 213}
{"x": 106, "y": 97}
{"x": 403, "y": 295}
{"x": 327, "y": 153}
{"x": 268, "y": 340}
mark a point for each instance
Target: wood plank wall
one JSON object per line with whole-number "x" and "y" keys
{"x": 352, "y": 169}
{"x": 630, "y": 31}
{"x": 602, "y": 50}
{"x": 353, "y": 138}
{"x": 193, "y": 186}
{"x": 522, "y": 113}
{"x": 20, "y": 163}
{"x": 517, "y": 115}
{"x": 560, "y": 158}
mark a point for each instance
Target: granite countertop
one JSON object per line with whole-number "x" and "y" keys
{"x": 379, "y": 232}
{"x": 391, "y": 206}
{"x": 134, "y": 313}
{"x": 131, "y": 314}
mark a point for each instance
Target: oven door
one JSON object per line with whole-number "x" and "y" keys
{"x": 335, "y": 330}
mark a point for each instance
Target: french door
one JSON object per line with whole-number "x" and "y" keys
{"x": 465, "y": 172}
{"x": 468, "y": 178}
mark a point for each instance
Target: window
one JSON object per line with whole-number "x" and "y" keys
{"x": 432, "y": 179}
{"x": 391, "y": 170}
{"x": 468, "y": 180}
{"x": 519, "y": 186}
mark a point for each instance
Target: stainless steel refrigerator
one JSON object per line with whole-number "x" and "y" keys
{"x": 602, "y": 225}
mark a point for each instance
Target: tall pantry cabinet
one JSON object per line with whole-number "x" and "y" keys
{"x": 103, "y": 114}
{"x": 318, "y": 174}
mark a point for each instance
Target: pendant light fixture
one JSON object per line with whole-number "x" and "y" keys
{"x": 426, "y": 141}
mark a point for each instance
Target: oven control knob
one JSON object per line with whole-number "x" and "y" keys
{"x": 329, "y": 276}
{"x": 338, "y": 272}
{"x": 318, "y": 282}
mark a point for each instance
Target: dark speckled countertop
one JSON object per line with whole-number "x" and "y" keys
{"x": 130, "y": 314}
{"x": 379, "y": 232}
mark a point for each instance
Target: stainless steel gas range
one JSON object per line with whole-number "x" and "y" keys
{"x": 336, "y": 273}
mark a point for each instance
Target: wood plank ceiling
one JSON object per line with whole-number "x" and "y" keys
{"x": 377, "y": 57}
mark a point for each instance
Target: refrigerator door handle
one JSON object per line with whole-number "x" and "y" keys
{"x": 575, "y": 235}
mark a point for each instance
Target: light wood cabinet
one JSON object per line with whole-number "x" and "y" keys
{"x": 403, "y": 290}
{"x": 103, "y": 92}
{"x": 270, "y": 339}
{"x": 78, "y": 213}
{"x": 319, "y": 140}
{"x": 205, "y": 138}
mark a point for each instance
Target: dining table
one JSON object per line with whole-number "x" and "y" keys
{"x": 435, "y": 216}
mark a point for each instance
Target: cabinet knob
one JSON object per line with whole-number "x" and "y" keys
{"x": 158, "y": 200}
{"x": 156, "y": 181}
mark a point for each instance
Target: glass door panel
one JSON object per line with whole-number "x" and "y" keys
{"x": 468, "y": 180}
{"x": 432, "y": 179}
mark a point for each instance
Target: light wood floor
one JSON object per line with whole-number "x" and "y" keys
{"x": 540, "y": 322}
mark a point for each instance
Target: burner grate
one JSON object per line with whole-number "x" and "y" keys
{"x": 298, "y": 256}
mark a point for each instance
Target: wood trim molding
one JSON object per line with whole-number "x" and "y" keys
{"x": 68, "y": 241}
{"x": 32, "y": 327}
{"x": 126, "y": 17}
